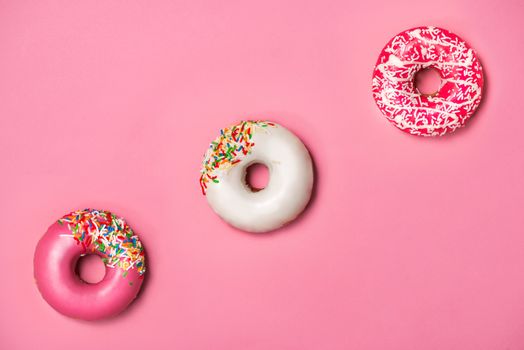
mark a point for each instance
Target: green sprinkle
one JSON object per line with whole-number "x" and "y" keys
{"x": 228, "y": 149}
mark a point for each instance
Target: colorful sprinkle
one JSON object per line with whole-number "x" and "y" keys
{"x": 104, "y": 232}
{"x": 228, "y": 149}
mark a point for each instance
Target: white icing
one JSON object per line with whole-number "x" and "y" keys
{"x": 286, "y": 194}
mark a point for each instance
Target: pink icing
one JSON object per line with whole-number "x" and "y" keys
{"x": 427, "y": 115}
{"x": 54, "y": 263}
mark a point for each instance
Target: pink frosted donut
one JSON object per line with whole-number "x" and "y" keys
{"x": 427, "y": 115}
{"x": 89, "y": 232}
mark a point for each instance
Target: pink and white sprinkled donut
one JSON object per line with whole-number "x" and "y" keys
{"x": 460, "y": 91}
{"x": 89, "y": 232}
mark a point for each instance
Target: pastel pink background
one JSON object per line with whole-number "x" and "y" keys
{"x": 409, "y": 243}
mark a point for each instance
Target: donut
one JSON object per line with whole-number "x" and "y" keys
{"x": 460, "y": 90}
{"x": 223, "y": 176}
{"x": 84, "y": 232}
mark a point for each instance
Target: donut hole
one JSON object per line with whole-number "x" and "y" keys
{"x": 428, "y": 81}
{"x": 257, "y": 177}
{"x": 90, "y": 268}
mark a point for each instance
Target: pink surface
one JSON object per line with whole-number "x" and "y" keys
{"x": 409, "y": 243}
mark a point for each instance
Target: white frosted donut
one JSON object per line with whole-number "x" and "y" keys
{"x": 223, "y": 176}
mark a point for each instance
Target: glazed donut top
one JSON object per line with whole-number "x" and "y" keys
{"x": 107, "y": 235}
{"x": 416, "y": 49}
{"x": 228, "y": 149}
